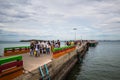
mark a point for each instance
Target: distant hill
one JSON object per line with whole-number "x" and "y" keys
{"x": 30, "y": 40}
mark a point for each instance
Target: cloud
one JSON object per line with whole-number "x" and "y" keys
{"x": 55, "y": 19}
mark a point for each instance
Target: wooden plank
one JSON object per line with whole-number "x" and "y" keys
{"x": 12, "y": 75}
{"x": 9, "y": 59}
{"x": 10, "y": 53}
{"x": 59, "y": 54}
{"x": 10, "y": 65}
{"x": 16, "y": 52}
{"x": 63, "y": 53}
{"x": 10, "y": 71}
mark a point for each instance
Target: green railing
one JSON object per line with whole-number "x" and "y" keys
{"x": 9, "y": 59}
{"x": 14, "y": 48}
{"x": 11, "y": 67}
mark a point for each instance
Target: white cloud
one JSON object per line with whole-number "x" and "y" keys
{"x": 58, "y": 18}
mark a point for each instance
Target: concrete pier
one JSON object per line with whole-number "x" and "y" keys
{"x": 57, "y": 68}
{"x": 46, "y": 66}
{"x": 30, "y": 62}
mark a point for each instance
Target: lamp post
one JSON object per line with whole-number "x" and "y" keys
{"x": 75, "y": 32}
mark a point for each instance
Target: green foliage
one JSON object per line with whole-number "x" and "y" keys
{"x": 62, "y": 48}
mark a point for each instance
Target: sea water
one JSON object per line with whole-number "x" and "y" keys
{"x": 100, "y": 63}
{"x": 5, "y": 44}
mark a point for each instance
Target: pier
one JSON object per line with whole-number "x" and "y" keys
{"x": 53, "y": 66}
{"x": 31, "y": 62}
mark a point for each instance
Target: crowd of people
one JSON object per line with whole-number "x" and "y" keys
{"x": 46, "y": 47}
{"x": 43, "y": 47}
{"x": 68, "y": 43}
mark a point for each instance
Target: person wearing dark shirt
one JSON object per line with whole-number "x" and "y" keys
{"x": 58, "y": 42}
{"x": 31, "y": 48}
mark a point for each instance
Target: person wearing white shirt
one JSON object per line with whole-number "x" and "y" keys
{"x": 56, "y": 45}
{"x": 48, "y": 48}
{"x": 37, "y": 49}
{"x": 44, "y": 47}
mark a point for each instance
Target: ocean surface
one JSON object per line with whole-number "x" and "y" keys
{"x": 100, "y": 63}
{"x": 5, "y": 44}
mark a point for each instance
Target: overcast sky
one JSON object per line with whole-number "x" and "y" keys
{"x": 55, "y": 19}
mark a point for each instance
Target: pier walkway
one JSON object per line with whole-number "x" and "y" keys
{"x": 31, "y": 62}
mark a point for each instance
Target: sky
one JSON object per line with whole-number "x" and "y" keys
{"x": 56, "y": 19}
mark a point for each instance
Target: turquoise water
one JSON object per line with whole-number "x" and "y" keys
{"x": 4, "y": 44}
{"x": 100, "y": 63}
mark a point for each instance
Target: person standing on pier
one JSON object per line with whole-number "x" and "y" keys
{"x": 72, "y": 43}
{"x": 37, "y": 49}
{"x": 52, "y": 45}
{"x": 67, "y": 43}
{"x": 31, "y": 48}
{"x": 48, "y": 48}
{"x": 78, "y": 50}
{"x": 40, "y": 44}
{"x": 58, "y": 42}
{"x": 44, "y": 47}
{"x": 56, "y": 45}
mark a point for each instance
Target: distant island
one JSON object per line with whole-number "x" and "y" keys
{"x": 30, "y": 40}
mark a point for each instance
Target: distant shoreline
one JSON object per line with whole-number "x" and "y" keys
{"x": 72, "y": 40}
{"x": 30, "y": 40}
{"x": 60, "y": 40}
